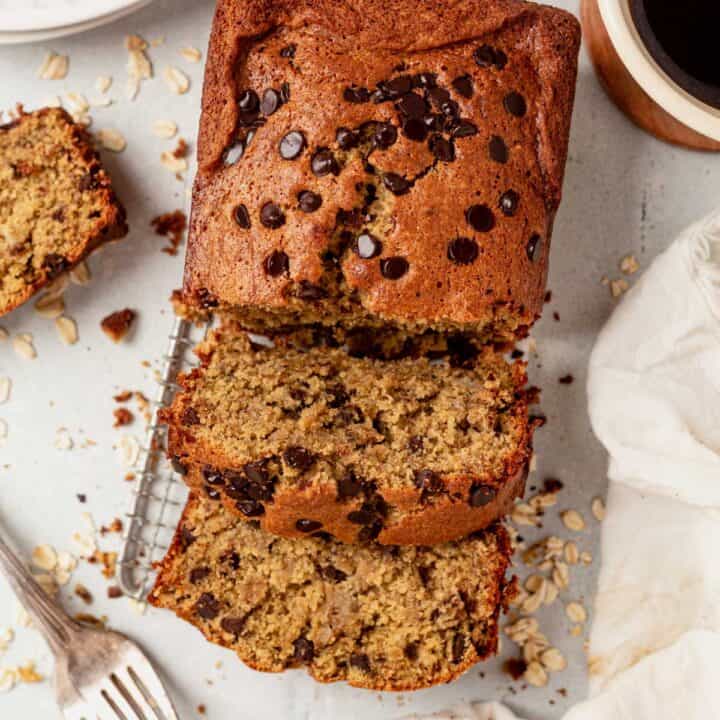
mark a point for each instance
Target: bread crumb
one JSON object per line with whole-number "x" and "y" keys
{"x": 629, "y": 265}
{"x": 117, "y": 325}
{"x": 122, "y": 417}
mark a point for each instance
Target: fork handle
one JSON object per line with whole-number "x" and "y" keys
{"x": 56, "y": 626}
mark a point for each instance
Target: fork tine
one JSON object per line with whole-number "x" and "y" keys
{"x": 143, "y": 676}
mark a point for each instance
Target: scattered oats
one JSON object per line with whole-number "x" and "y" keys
{"x": 66, "y": 561}
{"x": 52, "y": 101}
{"x": 6, "y": 637}
{"x": 103, "y": 83}
{"x": 533, "y": 463}
{"x": 522, "y": 629}
{"x": 44, "y": 557}
{"x": 5, "y": 385}
{"x": 28, "y": 674}
{"x": 129, "y": 449}
{"x": 58, "y": 286}
{"x": 54, "y": 67}
{"x": 576, "y": 612}
{"x": 519, "y": 598}
{"x": 101, "y": 102}
{"x": 89, "y": 522}
{"x": 618, "y": 287}
{"x": 573, "y": 520}
{"x": 137, "y": 606}
{"x": 552, "y": 659}
{"x": 598, "y": 509}
{"x": 572, "y": 555}
{"x": 62, "y": 577}
{"x": 191, "y": 54}
{"x": 165, "y": 129}
{"x": 78, "y": 103}
{"x": 8, "y": 678}
{"x": 523, "y": 514}
{"x": 532, "y": 603}
{"x": 132, "y": 87}
{"x": 532, "y": 648}
{"x": 585, "y": 557}
{"x": 47, "y": 583}
{"x": 596, "y": 666}
{"x": 542, "y": 501}
{"x": 551, "y": 592}
{"x": 112, "y": 140}
{"x": 138, "y": 67}
{"x": 176, "y": 80}
{"x": 629, "y": 265}
{"x": 535, "y": 674}
{"x": 22, "y": 618}
{"x": 172, "y": 163}
{"x": 85, "y": 543}
{"x": 24, "y": 347}
{"x": 561, "y": 575}
{"x": 63, "y": 440}
{"x": 67, "y": 329}
{"x": 80, "y": 274}
{"x": 82, "y": 119}
{"x": 49, "y": 306}
{"x": 533, "y": 583}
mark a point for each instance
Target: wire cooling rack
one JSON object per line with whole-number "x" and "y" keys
{"x": 159, "y": 493}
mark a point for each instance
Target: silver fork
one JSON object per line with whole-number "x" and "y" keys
{"x": 99, "y": 675}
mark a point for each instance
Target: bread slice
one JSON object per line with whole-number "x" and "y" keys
{"x": 56, "y": 202}
{"x": 384, "y": 618}
{"x": 406, "y": 451}
{"x": 381, "y": 164}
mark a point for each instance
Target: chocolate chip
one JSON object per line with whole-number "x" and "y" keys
{"x": 233, "y": 152}
{"x": 307, "y": 291}
{"x": 441, "y": 148}
{"x": 207, "y": 606}
{"x": 416, "y": 444}
{"x": 412, "y": 105}
{"x": 189, "y": 416}
{"x": 307, "y": 526}
{"x": 426, "y": 80}
{"x": 205, "y": 299}
{"x": 462, "y": 250}
{"x": 299, "y": 458}
{"x": 346, "y": 139}
{"x": 481, "y": 495}
{"x": 185, "y": 538}
{"x": 515, "y": 104}
{"x": 534, "y": 247}
{"x": 242, "y": 217}
{"x": 498, "y": 149}
{"x": 272, "y": 216}
{"x": 360, "y": 661}
{"x": 384, "y": 136}
{"x": 428, "y": 481}
{"x": 292, "y": 145}
{"x": 256, "y": 472}
{"x": 304, "y": 650}
{"x": 394, "y": 268}
{"x": 348, "y": 486}
{"x": 212, "y": 493}
{"x": 309, "y": 201}
{"x": 434, "y": 122}
{"x": 285, "y": 92}
{"x": 361, "y": 517}
{"x": 395, "y": 183}
{"x": 233, "y": 625}
{"x": 356, "y": 94}
{"x": 248, "y": 101}
{"x": 553, "y": 485}
{"x": 198, "y": 574}
{"x": 464, "y": 129}
{"x": 425, "y": 574}
{"x": 368, "y": 533}
{"x": 480, "y": 218}
{"x": 463, "y": 86}
{"x": 411, "y": 651}
{"x": 397, "y": 86}
{"x": 55, "y": 265}
{"x": 276, "y": 263}
{"x": 414, "y": 128}
{"x": 367, "y": 246}
{"x": 332, "y": 574}
{"x": 288, "y": 51}
{"x": 179, "y": 467}
{"x": 250, "y": 508}
{"x": 509, "y": 202}
{"x": 487, "y": 56}
{"x": 450, "y": 109}
{"x": 438, "y": 96}
{"x": 270, "y": 102}
{"x": 324, "y": 163}
{"x": 458, "y": 648}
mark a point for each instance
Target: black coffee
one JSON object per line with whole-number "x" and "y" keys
{"x": 682, "y": 36}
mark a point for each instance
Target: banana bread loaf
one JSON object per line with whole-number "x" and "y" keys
{"x": 406, "y": 451}
{"x": 56, "y": 202}
{"x": 381, "y": 163}
{"x": 379, "y": 617}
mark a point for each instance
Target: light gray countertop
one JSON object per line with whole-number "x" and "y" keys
{"x": 624, "y": 193}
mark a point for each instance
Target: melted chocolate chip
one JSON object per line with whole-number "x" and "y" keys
{"x": 276, "y": 263}
{"x": 416, "y": 444}
{"x": 434, "y": 123}
{"x": 428, "y": 481}
{"x": 179, "y": 467}
{"x": 272, "y": 216}
{"x": 438, "y": 96}
{"x": 198, "y": 574}
{"x": 348, "y": 486}
{"x": 233, "y": 152}
{"x": 426, "y": 80}
{"x": 384, "y": 136}
{"x": 458, "y": 647}
{"x": 411, "y": 651}
{"x": 464, "y": 129}
{"x": 356, "y": 94}
{"x": 292, "y": 145}
{"x": 397, "y": 86}
{"x": 248, "y": 102}
{"x": 205, "y": 299}
{"x": 414, "y": 128}
{"x": 394, "y": 268}
{"x": 347, "y": 139}
{"x": 55, "y": 265}
{"x": 463, "y": 86}
{"x": 285, "y": 92}
{"x": 207, "y": 606}
{"x": 270, "y": 102}
{"x": 462, "y": 250}
{"x": 212, "y": 476}
{"x": 242, "y": 217}
{"x": 480, "y": 218}
{"x": 185, "y": 538}
{"x": 509, "y": 202}
{"x": 307, "y": 526}
{"x": 299, "y": 458}
{"x": 367, "y": 246}
{"x": 307, "y": 291}
{"x": 304, "y": 650}
{"x": 212, "y": 493}
{"x": 498, "y": 150}
{"x": 361, "y": 517}
{"x": 412, "y": 105}
{"x": 515, "y": 104}
{"x": 368, "y": 533}
{"x": 481, "y": 495}
{"x": 360, "y": 661}
{"x": 441, "y": 148}
{"x": 250, "y": 508}
{"x": 309, "y": 201}
{"x": 395, "y": 183}
{"x": 332, "y": 574}
{"x": 534, "y": 247}
{"x": 233, "y": 625}
{"x": 288, "y": 51}
{"x": 488, "y": 56}
{"x": 324, "y": 163}
{"x": 256, "y": 472}
{"x": 450, "y": 109}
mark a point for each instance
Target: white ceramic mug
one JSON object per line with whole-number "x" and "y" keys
{"x": 684, "y": 107}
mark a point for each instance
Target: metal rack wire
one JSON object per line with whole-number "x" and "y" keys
{"x": 159, "y": 494}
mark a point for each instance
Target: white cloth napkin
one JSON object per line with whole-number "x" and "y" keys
{"x": 654, "y": 401}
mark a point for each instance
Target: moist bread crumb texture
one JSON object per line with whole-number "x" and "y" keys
{"x": 56, "y": 202}
{"x": 385, "y": 618}
{"x": 410, "y": 451}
